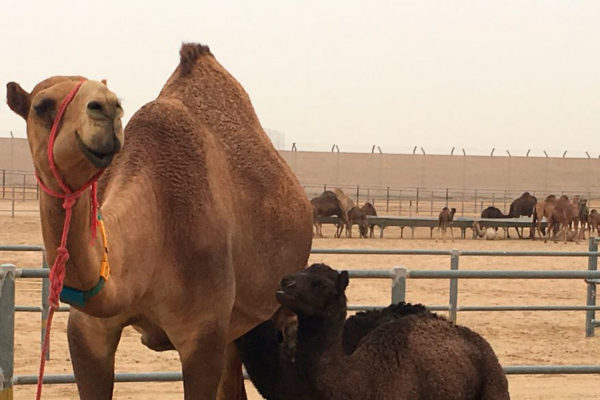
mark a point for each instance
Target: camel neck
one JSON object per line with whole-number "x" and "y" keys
{"x": 317, "y": 336}
{"x": 83, "y": 267}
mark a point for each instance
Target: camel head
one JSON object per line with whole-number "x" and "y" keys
{"x": 316, "y": 291}
{"x": 90, "y": 133}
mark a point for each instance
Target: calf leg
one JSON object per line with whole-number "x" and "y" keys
{"x": 92, "y": 345}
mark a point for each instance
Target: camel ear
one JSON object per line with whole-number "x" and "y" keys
{"x": 104, "y": 82}
{"x": 18, "y": 99}
{"x": 342, "y": 282}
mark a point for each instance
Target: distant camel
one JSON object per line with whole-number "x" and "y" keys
{"x": 543, "y": 209}
{"x": 524, "y": 205}
{"x": 594, "y": 222}
{"x": 566, "y": 213}
{"x": 494, "y": 212}
{"x": 445, "y": 220}
{"x": 369, "y": 209}
{"x": 355, "y": 216}
{"x": 584, "y": 214}
{"x": 488, "y": 234}
{"x": 346, "y": 203}
{"x": 326, "y": 205}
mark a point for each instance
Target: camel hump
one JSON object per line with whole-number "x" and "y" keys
{"x": 189, "y": 53}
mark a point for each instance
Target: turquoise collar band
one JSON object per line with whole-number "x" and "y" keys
{"x": 78, "y": 297}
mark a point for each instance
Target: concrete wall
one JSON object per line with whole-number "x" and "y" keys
{"x": 408, "y": 170}
{"x": 441, "y": 171}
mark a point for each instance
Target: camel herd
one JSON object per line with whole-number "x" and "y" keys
{"x": 568, "y": 219}
{"x": 337, "y": 203}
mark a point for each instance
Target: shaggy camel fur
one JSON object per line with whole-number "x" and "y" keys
{"x": 268, "y": 351}
{"x": 420, "y": 355}
{"x": 203, "y": 217}
{"x": 347, "y": 204}
{"x": 445, "y": 221}
{"x": 488, "y": 234}
{"x": 326, "y": 205}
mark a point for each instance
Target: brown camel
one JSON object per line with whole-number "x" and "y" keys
{"x": 369, "y": 209}
{"x": 594, "y": 222}
{"x": 524, "y": 205}
{"x": 355, "y": 216}
{"x": 445, "y": 220}
{"x": 347, "y": 204}
{"x": 203, "y": 219}
{"x": 544, "y": 209}
{"x": 566, "y": 214}
{"x": 326, "y": 205}
{"x": 584, "y": 214}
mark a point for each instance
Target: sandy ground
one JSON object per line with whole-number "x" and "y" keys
{"x": 517, "y": 337}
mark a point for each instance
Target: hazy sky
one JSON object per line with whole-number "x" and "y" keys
{"x": 473, "y": 74}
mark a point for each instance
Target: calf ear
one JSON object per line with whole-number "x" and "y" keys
{"x": 342, "y": 282}
{"x": 104, "y": 82}
{"x": 18, "y": 99}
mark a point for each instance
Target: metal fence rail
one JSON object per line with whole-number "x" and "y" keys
{"x": 398, "y": 276}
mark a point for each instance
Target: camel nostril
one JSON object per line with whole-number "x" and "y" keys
{"x": 94, "y": 106}
{"x": 287, "y": 283}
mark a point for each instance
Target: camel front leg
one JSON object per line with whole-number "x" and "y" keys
{"x": 231, "y": 386}
{"x": 202, "y": 355}
{"x": 92, "y": 346}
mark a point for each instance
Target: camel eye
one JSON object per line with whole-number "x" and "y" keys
{"x": 44, "y": 106}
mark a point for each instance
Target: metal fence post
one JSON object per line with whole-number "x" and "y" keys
{"x": 446, "y": 197}
{"x": 475, "y": 203}
{"x": 45, "y": 305}
{"x": 7, "y": 330}
{"x": 590, "y": 315}
{"x": 3, "y": 183}
{"x": 387, "y": 200}
{"x": 431, "y": 204}
{"x": 399, "y": 285}
{"x": 453, "y": 286}
{"x": 12, "y": 203}
{"x": 417, "y": 202}
{"x": 357, "y": 194}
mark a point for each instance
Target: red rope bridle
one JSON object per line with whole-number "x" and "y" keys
{"x": 57, "y": 272}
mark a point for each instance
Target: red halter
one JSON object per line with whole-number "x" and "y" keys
{"x": 57, "y": 272}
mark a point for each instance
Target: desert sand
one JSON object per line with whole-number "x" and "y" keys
{"x": 517, "y": 337}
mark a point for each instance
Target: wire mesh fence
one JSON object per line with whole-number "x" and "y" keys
{"x": 419, "y": 201}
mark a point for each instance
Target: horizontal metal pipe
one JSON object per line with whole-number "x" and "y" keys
{"x": 372, "y": 274}
{"x": 177, "y": 376}
{"x": 28, "y": 308}
{"x": 360, "y": 307}
{"x": 416, "y": 274}
{"x": 483, "y": 274}
{"x": 21, "y": 248}
{"x": 551, "y": 369}
{"x": 460, "y": 252}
